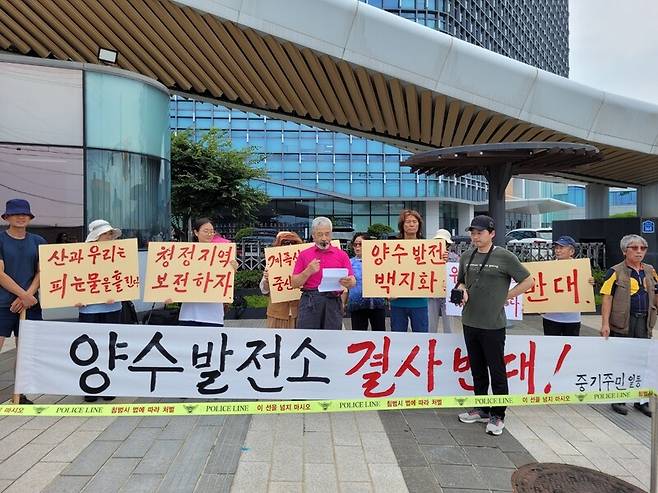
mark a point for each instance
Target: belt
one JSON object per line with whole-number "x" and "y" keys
{"x": 639, "y": 314}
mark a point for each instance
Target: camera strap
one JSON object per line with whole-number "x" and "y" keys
{"x": 484, "y": 262}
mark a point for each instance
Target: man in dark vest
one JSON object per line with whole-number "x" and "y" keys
{"x": 630, "y": 296}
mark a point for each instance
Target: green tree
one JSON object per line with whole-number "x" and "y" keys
{"x": 210, "y": 178}
{"x": 379, "y": 230}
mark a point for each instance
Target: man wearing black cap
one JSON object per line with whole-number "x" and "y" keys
{"x": 19, "y": 270}
{"x": 485, "y": 273}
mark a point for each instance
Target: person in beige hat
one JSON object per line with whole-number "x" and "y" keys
{"x": 437, "y": 306}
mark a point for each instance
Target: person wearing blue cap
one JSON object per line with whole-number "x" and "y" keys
{"x": 19, "y": 271}
{"x": 563, "y": 324}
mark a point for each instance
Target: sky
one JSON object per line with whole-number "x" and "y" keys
{"x": 613, "y": 46}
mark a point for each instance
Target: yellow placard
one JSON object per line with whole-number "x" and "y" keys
{"x": 87, "y": 273}
{"x": 200, "y": 272}
{"x": 280, "y": 262}
{"x": 404, "y": 268}
{"x": 560, "y": 286}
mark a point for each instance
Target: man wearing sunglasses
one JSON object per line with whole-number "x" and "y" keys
{"x": 630, "y": 297}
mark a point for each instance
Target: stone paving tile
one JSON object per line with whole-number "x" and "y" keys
{"x": 285, "y": 487}
{"x": 488, "y": 456}
{"x": 155, "y": 421}
{"x": 420, "y": 479}
{"x": 408, "y": 452}
{"x": 138, "y": 443}
{"x": 637, "y": 468}
{"x": 317, "y": 422}
{"x": 287, "y": 463}
{"x": 120, "y": 429}
{"x": 59, "y": 431}
{"x": 318, "y": 448}
{"x": 4, "y": 483}
{"x": 179, "y": 428}
{"x": 394, "y": 421}
{"x": 214, "y": 483}
{"x": 251, "y": 477}
{"x": 159, "y": 457}
{"x": 91, "y": 459}
{"x": 15, "y": 441}
{"x": 37, "y": 477}
{"x": 142, "y": 483}
{"x": 67, "y": 484}
{"x": 16, "y": 465}
{"x": 320, "y": 478}
{"x": 258, "y": 446}
{"x": 188, "y": 465}
{"x": 452, "y": 476}
{"x": 71, "y": 446}
{"x": 433, "y": 436}
{"x": 387, "y": 479}
{"x": 496, "y": 478}
{"x": 344, "y": 430}
{"x": 377, "y": 448}
{"x": 423, "y": 420}
{"x": 540, "y": 451}
{"x": 112, "y": 476}
{"x": 445, "y": 454}
{"x": 40, "y": 422}
{"x": 351, "y": 463}
{"x": 520, "y": 458}
{"x": 10, "y": 424}
{"x": 577, "y": 460}
{"x": 226, "y": 453}
{"x": 97, "y": 424}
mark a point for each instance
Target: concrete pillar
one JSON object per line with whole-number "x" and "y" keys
{"x": 597, "y": 201}
{"x": 498, "y": 177}
{"x": 432, "y": 217}
{"x": 465, "y": 213}
{"x": 647, "y": 201}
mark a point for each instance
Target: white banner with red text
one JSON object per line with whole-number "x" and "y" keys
{"x": 237, "y": 363}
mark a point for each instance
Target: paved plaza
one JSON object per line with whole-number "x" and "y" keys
{"x": 391, "y": 451}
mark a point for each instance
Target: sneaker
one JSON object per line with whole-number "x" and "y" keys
{"x": 474, "y": 416}
{"x": 643, "y": 408}
{"x": 24, "y": 400}
{"x": 495, "y": 426}
{"x": 620, "y": 409}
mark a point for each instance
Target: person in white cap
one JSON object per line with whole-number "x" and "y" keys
{"x": 110, "y": 311}
{"x": 437, "y": 306}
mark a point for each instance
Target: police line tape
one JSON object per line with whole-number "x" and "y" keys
{"x": 317, "y": 406}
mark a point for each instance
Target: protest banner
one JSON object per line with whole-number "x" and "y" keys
{"x": 163, "y": 361}
{"x": 404, "y": 269}
{"x": 560, "y": 286}
{"x": 513, "y": 307}
{"x": 279, "y": 262}
{"x": 87, "y": 273}
{"x": 200, "y": 272}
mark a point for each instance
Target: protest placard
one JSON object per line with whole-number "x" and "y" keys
{"x": 404, "y": 268}
{"x": 279, "y": 262}
{"x": 200, "y": 272}
{"x": 513, "y": 307}
{"x": 560, "y": 286}
{"x": 87, "y": 273}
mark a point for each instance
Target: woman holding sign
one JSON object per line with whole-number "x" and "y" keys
{"x": 409, "y": 310}
{"x": 281, "y": 315}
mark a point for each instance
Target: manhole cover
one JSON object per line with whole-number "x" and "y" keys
{"x": 565, "y": 478}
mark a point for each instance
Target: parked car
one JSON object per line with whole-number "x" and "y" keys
{"x": 530, "y": 235}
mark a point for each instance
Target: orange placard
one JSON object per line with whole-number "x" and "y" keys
{"x": 404, "y": 269}
{"x": 201, "y": 272}
{"x": 560, "y": 286}
{"x": 87, "y": 273}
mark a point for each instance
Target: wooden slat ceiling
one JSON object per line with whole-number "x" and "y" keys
{"x": 197, "y": 54}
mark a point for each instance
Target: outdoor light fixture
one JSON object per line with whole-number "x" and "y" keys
{"x": 107, "y": 56}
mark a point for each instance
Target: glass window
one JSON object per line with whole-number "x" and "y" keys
{"x": 131, "y": 191}
{"x": 375, "y": 188}
{"x": 361, "y": 207}
{"x": 359, "y": 188}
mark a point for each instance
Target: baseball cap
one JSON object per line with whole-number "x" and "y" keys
{"x": 481, "y": 223}
{"x": 565, "y": 241}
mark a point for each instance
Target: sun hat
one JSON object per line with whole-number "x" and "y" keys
{"x": 15, "y": 207}
{"x": 100, "y": 226}
{"x": 443, "y": 234}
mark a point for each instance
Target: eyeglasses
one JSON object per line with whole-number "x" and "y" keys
{"x": 357, "y": 243}
{"x": 288, "y": 242}
{"x": 642, "y": 248}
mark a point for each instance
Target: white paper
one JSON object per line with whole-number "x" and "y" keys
{"x": 330, "y": 280}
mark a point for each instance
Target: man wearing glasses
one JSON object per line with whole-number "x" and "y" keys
{"x": 630, "y": 296}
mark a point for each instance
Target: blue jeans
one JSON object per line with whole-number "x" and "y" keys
{"x": 401, "y": 316}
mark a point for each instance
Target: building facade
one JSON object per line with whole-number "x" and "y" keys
{"x": 359, "y": 182}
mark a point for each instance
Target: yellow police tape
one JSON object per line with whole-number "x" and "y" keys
{"x": 317, "y": 406}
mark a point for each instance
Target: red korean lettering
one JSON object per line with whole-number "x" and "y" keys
{"x": 59, "y": 285}
{"x": 165, "y": 255}
{"x": 432, "y": 364}
{"x": 385, "y": 280}
{"x": 418, "y": 252}
{"x": 399, "y": 251}
{"x": 187, "y": 254}
{"x": 380, "y": 253}
{"x": 58, "y": 258}
{"x": 160, "y": 281}
{"x": 180, "y": 282}
{"x": 539, "y": 284}
{"x": 93, "y": 280}
{"x": 379, "y": 360}
{"x": 461, "y": 364}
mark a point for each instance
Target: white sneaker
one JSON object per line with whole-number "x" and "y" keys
{"x": 474, "y": 416}
{"x": 495, "y": 426}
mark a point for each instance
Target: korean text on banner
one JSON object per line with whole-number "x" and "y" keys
{"x": 513, "y": 307}
{"x": 404, "y": 269}
{"x": 70, "y": 358}
{"x": 88, "y": 273}
{"x": 560, "y": 286}
{"x": 200, "y": 272}
{"x": 280, "y": 262}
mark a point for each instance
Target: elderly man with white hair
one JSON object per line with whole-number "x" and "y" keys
{"x": 630, "y": 298}
{"x": 320, "y": 310}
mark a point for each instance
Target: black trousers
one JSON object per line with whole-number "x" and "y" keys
{"x": 376, "y": 317}
{"x": 553, "y": 328}
{"x": 486, "y": 352}
{"x": 320, "y": 311}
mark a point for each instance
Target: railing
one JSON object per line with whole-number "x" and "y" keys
{"x": 251, "y": 254}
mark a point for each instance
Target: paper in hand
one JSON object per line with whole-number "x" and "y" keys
{"x": 331, "y": 280}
